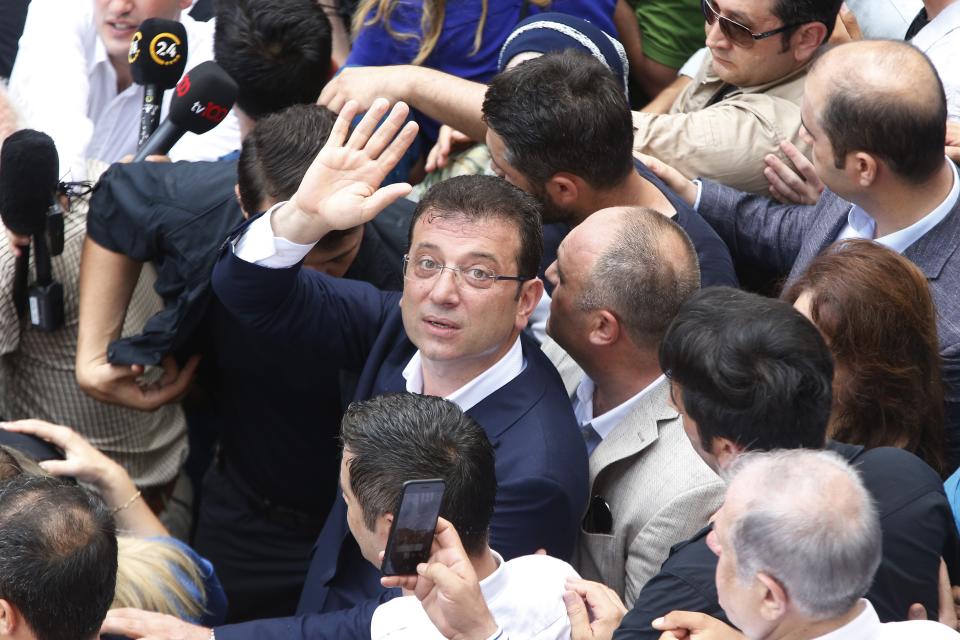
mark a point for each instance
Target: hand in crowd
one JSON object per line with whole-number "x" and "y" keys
{"x": 449, "y": 141}
{"x": 362, "y": 85}
{"x": 125, "y": 385}
{"x": 846, "y": 27}
{"x": 949, "y": 605}
{"x": 953, "y": 140}
{"x": 689, "y": 625}
{"x": 683, "y": 186}
{"x": 340, "y": 189}
{"x": 798, "y": 184}
{"x": 17, "y": 242}
{"x": 449, "y": 590}
{"x": 147, "y": 625}
{"x": 87, "y": 464}
{"x": 595, "y": 610}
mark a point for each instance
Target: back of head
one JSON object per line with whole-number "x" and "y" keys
{"x": 278, "y": 51}
{"x": 153, "y": 574}
{"x": 886, "y": 99}
{"x": 277, "y": 153}
{"x": 476, "y": 198}
{"x": 398, "y": 437}
{"x": 644, "y": 275}
{"x": 751, "y": 370}
{"x": 875, "y": 310}
{"x": 562, "y": 112}
{"x": 58, "y": 556}
{"x": 805, "y": 519}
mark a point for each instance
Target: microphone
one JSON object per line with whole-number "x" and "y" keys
{"x": 29, "y": 167}
{"x": 157, "y": 57}
{"x": 203, "y": 98}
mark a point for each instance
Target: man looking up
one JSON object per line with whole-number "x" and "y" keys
{"x": 559, "y": 128}
{"x": 874, "y": 113}
{"x": 619, "y": 280}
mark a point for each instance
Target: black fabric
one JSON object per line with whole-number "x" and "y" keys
{"x": 202, "y": 10}
{"x": 30, "y": 446}
{"x": 919, "y": 22}
{"x": 716, "y": 264}
{"x": 11, "y": 28}
{"x": 918, "y": 529}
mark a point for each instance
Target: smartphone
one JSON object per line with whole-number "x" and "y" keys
{"x": 414, "y": 523}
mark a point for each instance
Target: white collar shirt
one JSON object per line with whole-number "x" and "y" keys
{"x": 861, "y": 224}
{"x": 604, "y": 424}
{"x": 940, "y": 41}
{"x": 867, "y": 626}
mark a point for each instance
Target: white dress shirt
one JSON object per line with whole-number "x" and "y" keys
{"x": 260, "y": 246}
{"x": 861, "y": 224}
{"x": 525, "y": 596}
{"x": 884, "y": 19}
{"x": 867, "y": 626}
{"x": 940, "y": 40}
{"x": 605, "y": 423}
{"x": 64, "y": 84}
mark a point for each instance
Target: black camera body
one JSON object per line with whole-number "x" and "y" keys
{"x": 45, "y": 304}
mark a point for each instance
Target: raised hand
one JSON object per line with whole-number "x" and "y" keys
{"x": 595, "y": 610}
{"x": 341, "y": 189}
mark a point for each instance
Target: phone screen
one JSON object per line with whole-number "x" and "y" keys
{"x": 414, "y": 523}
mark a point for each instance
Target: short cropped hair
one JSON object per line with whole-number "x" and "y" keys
{"x": 404, "y": 436}
{"x": 58, "y": 556}
{"x": 644, "y": 275}
{"x": 800, "y": 12}
{"x": 277, "y": 51}
{"x": 278, "y": 151}
{"x": 902, "y": 121}
{"x": 562, "y": 112}
{"x": 811, "y": 525}
{"x": 477, "y": 198}
{"x": 750, "y": 369}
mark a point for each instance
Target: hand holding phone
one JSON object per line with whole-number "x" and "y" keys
{"x": 414, "y": 523}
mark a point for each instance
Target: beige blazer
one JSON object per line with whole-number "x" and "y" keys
{"x": 659, "y": 490}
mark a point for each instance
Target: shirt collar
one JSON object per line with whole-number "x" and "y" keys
{"x": 506, "y": 369}
{"x": 865, "y": 225}
{"x": 865, "y": 625}
{"x": 945, "y": 22}
{"x": 604, "y": 424}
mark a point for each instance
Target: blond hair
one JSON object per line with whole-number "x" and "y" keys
{"x": 431, "y": 22}
{"x": 150, "y": 576}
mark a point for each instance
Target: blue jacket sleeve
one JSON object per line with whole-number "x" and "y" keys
{"x": 346, "y": 624}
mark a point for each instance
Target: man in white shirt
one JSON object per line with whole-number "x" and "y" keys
{"x": 620, "y": 277}
{"x": 798, "y": 541}
{"x": 72, "y": 80}
{"x": 940, "y": 40}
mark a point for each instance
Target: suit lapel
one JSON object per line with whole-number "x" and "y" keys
{"x": 935, "y": 247}
{"x": 637, "y": 431}
{"x": 828, "y": 221}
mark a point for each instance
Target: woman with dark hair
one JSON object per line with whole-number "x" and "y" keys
{"x": 874, "y": 309}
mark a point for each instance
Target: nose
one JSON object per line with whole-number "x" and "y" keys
{"x": 445, "y": 289}
{"x": 715, "y": 37}
{"x": 119, "y": 7}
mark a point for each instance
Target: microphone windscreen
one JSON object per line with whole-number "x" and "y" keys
{"x": 158, "y": 53}
{"x": 203, "y": 98}
{"x": 29, "y": 173}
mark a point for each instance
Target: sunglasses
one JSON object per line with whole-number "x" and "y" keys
{"x": 734, "y": 31}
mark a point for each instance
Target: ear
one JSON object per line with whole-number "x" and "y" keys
{"x": 184, "y": 4}
{"x": 236, "y": 194}
{"x": 530, "y": 293}
{"x": 774, "y": 602}
{"x": 382, "y": 531}
{"x": 9, "y": 619}
{"x": 724, "y": 450}
{"x": 807, "y": 39}
{"x": 604, "y": 328}
{"x": 564, "y": 189}
{"x": 864, "y": 166}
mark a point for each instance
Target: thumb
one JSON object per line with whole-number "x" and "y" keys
{"x": 688, "y": 620}
{"x": 916, "y": 612}
{"x": 579, "y": 618}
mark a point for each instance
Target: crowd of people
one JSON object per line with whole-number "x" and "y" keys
{"x": 667, "y": 293}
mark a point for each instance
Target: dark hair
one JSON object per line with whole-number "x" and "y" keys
{"x": 562, "y": 112}
{"x": 278, "y": 151}
{"x": 479, "y": 198}
{"x": 644, "y": 275}
{"x": 278, "y": 51}
{"x": 901, "y": 120}
{"x": 404, "y": 436}
{"x": 801, "y": 12}
{"x": 874, "y": 308}
{"x": 750, "y": 369}
{"x": 58, "y": 556}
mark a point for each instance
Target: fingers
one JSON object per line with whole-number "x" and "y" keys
{"x": 341, "y": 127}
{"x": 850, "y": 23}
{"x": 401, "y": 582}
{"x": 781, "y": 179}
{"x": 166, "y": 393}
{"x": 579, "y": 618}
{"x": 689, "y": 620}
{"x": 916, "y": 612}
{"x": 53, "y": 433}
{"x": 387, "y": 131}
{"x": 382, "y": 198}
{"x": 392, "y": 155}
{"x": 63, "y": 468}
{"x": 368, "y": 126}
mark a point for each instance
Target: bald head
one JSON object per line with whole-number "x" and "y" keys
{"x": 884, "y": 98}
{"x": 804, "y": 518}
{"x": 645, "y": 269}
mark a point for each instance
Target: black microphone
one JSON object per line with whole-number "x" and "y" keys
{"x": 158, "y": 57}
{"x": 203, "y": 98}
{"x": 29, "y": 167}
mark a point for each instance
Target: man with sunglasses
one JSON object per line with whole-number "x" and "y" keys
{"x": 745, "y": 98}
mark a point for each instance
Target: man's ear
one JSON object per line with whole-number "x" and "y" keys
{"x": 604, "y": 328}
{"x": 236, "y": 193}
{"x": 9, "y": 619}
{"x": 724, "y": 450}
{"x": 775, "y": 601}
{"x": 184, "y": 4}
{"x": 807, "y": 39}
{"x": 865, "y": 167}
{"x": 527, "y": 299}
{"x": 564, "y": 189}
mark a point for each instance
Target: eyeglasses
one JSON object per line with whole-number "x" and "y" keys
{"x": 426, "y": 268}
{"x": 736, "y": 32}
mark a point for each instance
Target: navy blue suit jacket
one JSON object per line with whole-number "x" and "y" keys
{"x": 541, "y": 460}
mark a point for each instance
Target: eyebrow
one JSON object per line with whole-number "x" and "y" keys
{"x": 741, "y": 18}
{"x": 473, "y": 254}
